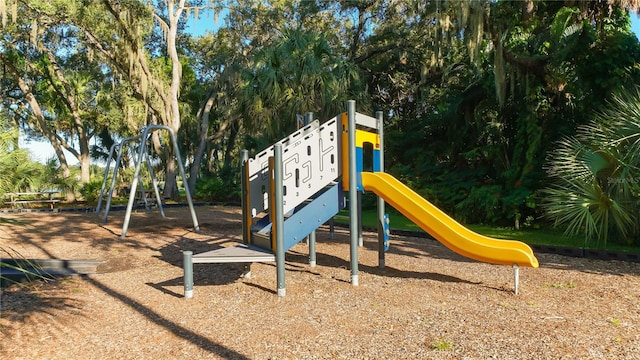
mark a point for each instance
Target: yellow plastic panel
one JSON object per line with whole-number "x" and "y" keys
{"x": 344, "y": 125}
{"x": 363, "y": 137}
{"x": 444, "y": 228}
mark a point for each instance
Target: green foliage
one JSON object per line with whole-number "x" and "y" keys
{"x": 19, "y": 173}
{"x": 54, "y": 178}
{"x": 482, "y": 204}
{"x": 29, "y": 269}
{"x": 454, "y": 186}
{"x": 480, "y": 157}
{"x": 298, "y": 72}
{"x": 211, "y": 188}
{"x": 477, "y": 93}
{"x": 90, "y": 191}
{"x": 215, "y": 188}
{"x": 596, "y": 175}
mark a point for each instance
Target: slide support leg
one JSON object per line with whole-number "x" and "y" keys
{"x": 516, "y": 278}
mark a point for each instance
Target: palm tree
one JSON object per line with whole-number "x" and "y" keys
{"x": 297, "y": 73}
{"x": 596, "y": 175}
{"x": 17, "y": 171}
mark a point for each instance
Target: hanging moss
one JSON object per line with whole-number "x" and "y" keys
{"x": 499, "y": 71}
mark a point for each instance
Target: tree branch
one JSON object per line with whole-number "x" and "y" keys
{"x": 372, "y": 52}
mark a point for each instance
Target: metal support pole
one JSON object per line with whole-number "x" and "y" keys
{"x": 332, "y": 229}
{"x": 516, "y": 278}
{"x": 143, "y": 193}
{"x": 156, "y": 191}
{"x": 136, "y": 175}
{"x": 244, "y": 200}
{"x": 134, "y": 185}
{"x": 187, "y": 192}
{"x": 187, "y": 264}
{"x": 106, "y": 175}
{"x": 279, "y": 217}
{"x": 381, "y": 218}
{"x": 114, "y": 177}
{"x": 353, "y": 197}
{"x": 312, "y": 249}
{"x": 311, "y": 240}
{"x": 245, "y": 203}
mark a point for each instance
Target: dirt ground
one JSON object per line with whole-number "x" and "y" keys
{"x": 427, "y": 303}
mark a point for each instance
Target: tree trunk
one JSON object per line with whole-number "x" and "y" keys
{"x": 203, "y": 132}
{"x": 170, "y": 183}
{"x": 72, "y": 104}
{"x": 173, "y": 109}
{"x": 528, "y": 8}
{"x": 233, "y": 134}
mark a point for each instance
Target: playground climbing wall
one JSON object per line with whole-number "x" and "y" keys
{"x": 310, "y": 163}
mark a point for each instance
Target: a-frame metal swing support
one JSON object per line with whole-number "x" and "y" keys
{"x": 120, "y": 147}
{"x": 136, "y": 177}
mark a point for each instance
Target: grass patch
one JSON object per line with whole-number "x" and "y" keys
{"x": 569, "y": 285}
{"x": 531, "y": 236}
{"x": 441, "y": 345}
{"x": 370, "y": 219}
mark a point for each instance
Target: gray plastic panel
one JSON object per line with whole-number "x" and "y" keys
{"x": 234, "y": 254}
{"x": 310, "y": 161}
{"x": 367, "y": 121}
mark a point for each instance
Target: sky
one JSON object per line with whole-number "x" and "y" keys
{"x": 635, "y": 24}
{"x": 41, "y": 151}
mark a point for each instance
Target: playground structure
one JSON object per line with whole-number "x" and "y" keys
{"x": 298, "y": 184}
{"x": 143, "y": 155}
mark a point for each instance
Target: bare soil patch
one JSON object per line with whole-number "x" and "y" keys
{"x": 427, "y": 303}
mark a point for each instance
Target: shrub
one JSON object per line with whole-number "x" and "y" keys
{"x": 213, "y": 188}
{"x": 91, "y": 190}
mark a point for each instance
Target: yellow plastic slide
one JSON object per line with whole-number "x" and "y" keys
{"x": 445, "y": 229}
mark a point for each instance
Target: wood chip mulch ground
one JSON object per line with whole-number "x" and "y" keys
{"x": 427, "y": 303}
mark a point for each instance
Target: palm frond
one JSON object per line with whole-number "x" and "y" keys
{"x": 571, "y": 205}
{"x": 595, "y": 174}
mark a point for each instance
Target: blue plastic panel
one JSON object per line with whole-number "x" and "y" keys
{"x": 313, "y": 215}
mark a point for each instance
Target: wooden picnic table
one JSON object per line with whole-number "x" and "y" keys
{"x": 50, "y": 197}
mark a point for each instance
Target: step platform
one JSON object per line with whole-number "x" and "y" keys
{"x": 234, "y": 254}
